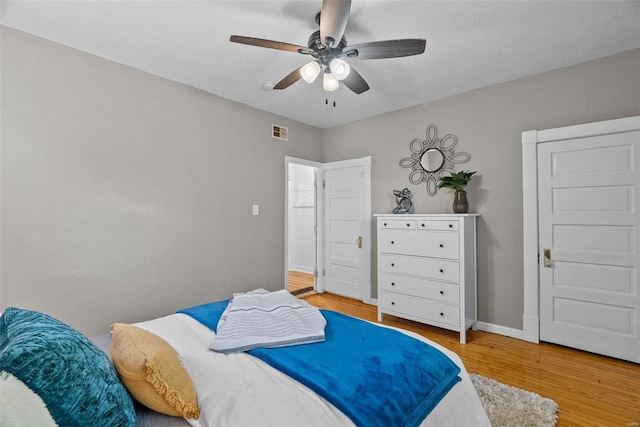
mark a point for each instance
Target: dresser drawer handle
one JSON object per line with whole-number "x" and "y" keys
{"x": 441, "y": 270}
{"x": 393, "y": 284}
{"x": 385, "y": 224}
{"x": 408, "y": 225}
{"x": 450, "y": 225}
{"x": 441, "y": 292}
{"x": 441, "y": 245}
{"x": 393, "y": 265}
{"x": 393, "y": 243}
{"x": 423, "y": 225}
{"x": 393, "y": 303}
{"x": 441, "y": 314}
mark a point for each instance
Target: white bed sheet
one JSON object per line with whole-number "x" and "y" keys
{"x": 238, "y": 389}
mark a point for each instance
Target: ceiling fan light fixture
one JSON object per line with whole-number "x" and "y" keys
{"x": 339, "y": 68}
{"x": 310, "y": 71}
{"x": 328, "y": 49}
{"x": 329, "y": 82}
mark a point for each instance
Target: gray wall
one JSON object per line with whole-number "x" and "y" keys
{"x": 126, "y": 196}
{"x": 488, "y": 123}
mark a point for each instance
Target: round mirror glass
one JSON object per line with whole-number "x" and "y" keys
{"x": 432, "y": 160}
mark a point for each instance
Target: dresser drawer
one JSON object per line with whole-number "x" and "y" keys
{"x": 439, "y": 244}
{"x": 397, "y": 224}
{"x": 435, "y": 224}
{"x": 420, "y": 307}
{"x": 430, "y": 268}
{"x": 439, "y": 291}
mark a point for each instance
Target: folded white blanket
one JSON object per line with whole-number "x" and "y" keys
{"x": 267, "y": 319}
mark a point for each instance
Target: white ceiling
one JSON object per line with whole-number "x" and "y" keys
{"x": 470, "y": 44}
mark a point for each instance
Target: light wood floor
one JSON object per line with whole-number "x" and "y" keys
{"x": 591, "y": 390}
{"x": 298, "y": 280}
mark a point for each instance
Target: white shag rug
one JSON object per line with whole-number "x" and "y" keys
{"x": 508, "y": 406}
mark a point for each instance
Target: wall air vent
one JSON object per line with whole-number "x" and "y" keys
{"x": 280, "y": 132}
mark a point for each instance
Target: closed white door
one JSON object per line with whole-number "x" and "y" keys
{"x": 589, "y": 228}
{"x": 347, "y": 224}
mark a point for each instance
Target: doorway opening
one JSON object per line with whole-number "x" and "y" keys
{"x": 328, "y": 226}
{"x": 301, "y": 226}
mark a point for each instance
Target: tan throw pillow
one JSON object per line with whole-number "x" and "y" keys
{"x": 152, "y": 371}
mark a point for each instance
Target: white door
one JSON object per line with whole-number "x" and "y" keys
{"x": 347, "y": 229}
{"x": 589, "y": 240}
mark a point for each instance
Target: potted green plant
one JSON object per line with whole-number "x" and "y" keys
{"x": 457, "y": 182}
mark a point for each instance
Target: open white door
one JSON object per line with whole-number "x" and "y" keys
{"x": 347, "y": 228}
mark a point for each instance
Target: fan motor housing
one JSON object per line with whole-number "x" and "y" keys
{"x": 323, "y": 53}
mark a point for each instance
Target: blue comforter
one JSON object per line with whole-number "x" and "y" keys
{"x": 376, "y": 376}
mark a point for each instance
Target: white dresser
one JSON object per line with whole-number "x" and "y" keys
{"x": 427, "y": 269}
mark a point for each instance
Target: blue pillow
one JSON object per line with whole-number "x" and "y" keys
{"x": 74, "y": 378}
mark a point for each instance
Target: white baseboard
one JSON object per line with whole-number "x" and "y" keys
{"x": 500, "y": 330}
{"x": 302, "y": 269}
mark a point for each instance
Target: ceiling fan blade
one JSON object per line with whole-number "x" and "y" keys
{"x": 290, "y": 79}
{"x": 333, "y": 20}
{"x": 355, "y": 82}
{"x": 271, "y": 44}
{"x": 386, "y": 49}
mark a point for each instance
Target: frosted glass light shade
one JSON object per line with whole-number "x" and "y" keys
{"x": 310, "y": 71}
{"x": 329, "y": 82}
{"x": 339, "y": 68}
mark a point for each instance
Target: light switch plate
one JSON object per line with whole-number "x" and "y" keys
{"x": 256, "y": 209}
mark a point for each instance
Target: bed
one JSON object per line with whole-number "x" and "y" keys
{"x": 239, "y": 389}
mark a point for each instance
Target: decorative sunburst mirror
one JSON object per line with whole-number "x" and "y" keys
{"x": 432, "y": 159}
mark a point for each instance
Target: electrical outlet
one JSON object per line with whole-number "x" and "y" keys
{"x": 256, "y": 209}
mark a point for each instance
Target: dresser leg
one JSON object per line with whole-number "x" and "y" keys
{"x": 379, "y": 316}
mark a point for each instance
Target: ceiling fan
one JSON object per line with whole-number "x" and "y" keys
{"x": 328, "y": 47}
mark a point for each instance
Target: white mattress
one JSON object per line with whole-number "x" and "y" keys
{"x": 238, "y": 389}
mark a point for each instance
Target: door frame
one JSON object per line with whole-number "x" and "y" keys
{"x": 318, "y": 219}
{"x": 319, "y": 210}
{"x": 531, "y": 253}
